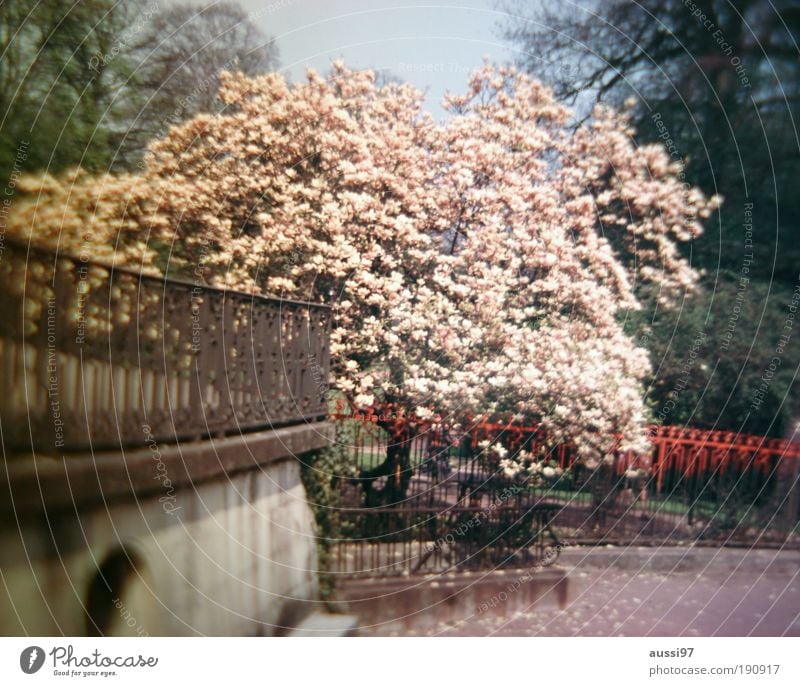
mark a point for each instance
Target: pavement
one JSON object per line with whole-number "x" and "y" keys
{"x": 676, "y": 591}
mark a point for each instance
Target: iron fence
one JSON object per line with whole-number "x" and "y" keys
{"x": 424, "y": 496}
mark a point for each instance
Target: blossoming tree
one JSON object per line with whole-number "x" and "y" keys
{"x": 479, "y": 265}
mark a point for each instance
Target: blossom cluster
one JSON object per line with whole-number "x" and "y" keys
{"x": 520, "y": 466}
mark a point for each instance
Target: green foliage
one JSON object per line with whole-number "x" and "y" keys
{"x": 717, "y": 84}
{"x": 713, "y": 354}
{"x": 90, "y": 83}
{"x": 59, "y": 79}
{"x": 322, "y": 474}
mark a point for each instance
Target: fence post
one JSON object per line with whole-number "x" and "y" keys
{"x": 792, "y": 514}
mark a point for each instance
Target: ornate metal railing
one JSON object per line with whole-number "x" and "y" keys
{"x": 417, "y": 539}
{"x": 93, "y": 355}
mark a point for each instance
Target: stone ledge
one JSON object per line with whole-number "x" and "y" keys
{"x": 396, "y": 604}
{"x": 673, "y": 559}
{"x": 38, "y": 483}
{"x": 319, "y": 624}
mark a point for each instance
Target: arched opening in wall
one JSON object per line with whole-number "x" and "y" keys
{"x": 107, "y": 606}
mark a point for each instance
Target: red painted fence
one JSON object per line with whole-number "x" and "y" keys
{"x": 683, "y": 451}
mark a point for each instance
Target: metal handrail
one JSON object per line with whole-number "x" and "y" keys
{"x": 136, "y": 359}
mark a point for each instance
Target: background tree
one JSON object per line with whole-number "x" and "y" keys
{"x": 59, "y": 74}
{"x": 179, "y": 53}
{"x": 723, "y": 76}
{"x": 91, "y": 83}
{"x": 711, "y": 361}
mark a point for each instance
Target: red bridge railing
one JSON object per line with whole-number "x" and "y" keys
{"x": 685, "y": 451}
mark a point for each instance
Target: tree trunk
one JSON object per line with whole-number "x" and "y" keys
{"x": 396, "y": 466}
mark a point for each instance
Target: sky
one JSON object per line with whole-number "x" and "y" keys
{"x": 435, "y": 46}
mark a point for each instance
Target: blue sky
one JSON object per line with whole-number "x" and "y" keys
{"x": 434, "y": 46}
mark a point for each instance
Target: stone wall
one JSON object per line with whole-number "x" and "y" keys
{"x": 227, "y": 549}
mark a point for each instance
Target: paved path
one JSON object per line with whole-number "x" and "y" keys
{"x": 666, "y": 592}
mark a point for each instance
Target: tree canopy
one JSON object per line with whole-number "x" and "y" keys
{"x": 481, "y": 265}
{"x": 55, "y": 99}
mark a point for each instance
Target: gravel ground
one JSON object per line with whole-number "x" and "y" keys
{"x": 660, "y": 592}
